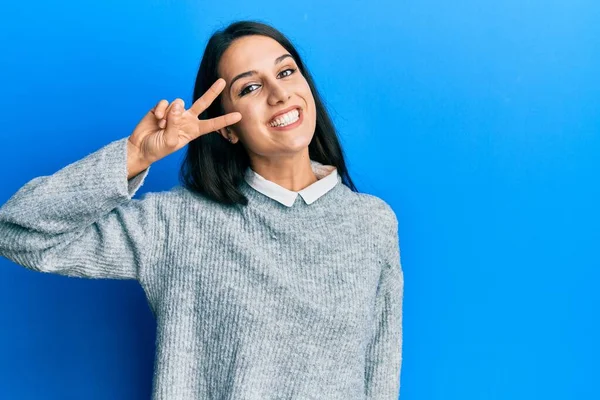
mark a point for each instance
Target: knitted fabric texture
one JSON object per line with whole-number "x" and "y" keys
{"x": 251, "y": 302}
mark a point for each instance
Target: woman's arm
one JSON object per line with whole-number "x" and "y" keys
{"x": 82, "y": 221}
{"x": 384, "y": 351}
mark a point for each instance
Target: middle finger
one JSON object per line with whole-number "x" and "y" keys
{"x": 208, "y": 97}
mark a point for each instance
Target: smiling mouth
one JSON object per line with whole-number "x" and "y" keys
{"x": 284, "y": 123}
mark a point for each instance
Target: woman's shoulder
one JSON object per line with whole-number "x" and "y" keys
{"x": 178, "y": 196}
{"x": 374, "y": 206}
{"x": 177, "y": 202}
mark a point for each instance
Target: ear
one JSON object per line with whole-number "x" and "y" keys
{"x": 223, "y": 132}
{"x": 228, "y": 133}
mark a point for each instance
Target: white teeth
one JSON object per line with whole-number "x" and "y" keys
{"x": 286, "y": 119}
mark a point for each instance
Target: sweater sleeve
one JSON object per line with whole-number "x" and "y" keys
{"x": 81, "y": 221}
{"x": 384, "y": 350}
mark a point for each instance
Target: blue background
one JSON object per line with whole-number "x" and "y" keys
{"x": 476, "y": 120}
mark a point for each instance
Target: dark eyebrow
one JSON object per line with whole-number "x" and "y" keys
{"x": 253, "y": 72}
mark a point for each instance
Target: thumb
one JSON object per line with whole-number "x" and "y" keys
{"x": 173, "y": 121}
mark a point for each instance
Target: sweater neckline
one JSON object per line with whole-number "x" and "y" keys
{"x": 323, "y": 205}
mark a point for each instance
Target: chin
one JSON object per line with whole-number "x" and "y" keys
{"x": 301, "y": 141}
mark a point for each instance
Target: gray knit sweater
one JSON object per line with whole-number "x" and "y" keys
{"x": 257, "y": 302}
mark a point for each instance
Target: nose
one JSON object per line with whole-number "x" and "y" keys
{"x": 279, "y": 93}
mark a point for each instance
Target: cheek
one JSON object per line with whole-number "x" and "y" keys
{"x": 308, "y": 97}
{"x": 251, "y": 127}
{"x": 250, "y": 118}
{"x": 310, "y": 100}
{"x": 251, "y": 114}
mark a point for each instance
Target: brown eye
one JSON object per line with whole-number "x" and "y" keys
{"x": 289, "y": 69}
{"x": 244, "y": 92}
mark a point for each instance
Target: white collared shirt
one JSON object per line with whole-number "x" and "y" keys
{"x": 327, "y": 178}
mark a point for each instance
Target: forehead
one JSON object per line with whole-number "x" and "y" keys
{"x": 247, "y": 53}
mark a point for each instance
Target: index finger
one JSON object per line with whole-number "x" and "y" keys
{"x": 208, "y": 97}
{"x": 214, "y": 124}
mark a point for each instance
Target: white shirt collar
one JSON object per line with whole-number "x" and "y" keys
{"x": 327, "y": 178}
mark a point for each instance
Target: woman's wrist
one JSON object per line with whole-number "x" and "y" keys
{"x": 135, "y": 162}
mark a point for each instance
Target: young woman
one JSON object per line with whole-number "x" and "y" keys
{"x": 269, "y": 275}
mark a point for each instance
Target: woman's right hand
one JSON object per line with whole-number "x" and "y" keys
{"x": 167, "y": 128}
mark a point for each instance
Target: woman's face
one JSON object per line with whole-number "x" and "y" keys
{"x": 271, "y": 82}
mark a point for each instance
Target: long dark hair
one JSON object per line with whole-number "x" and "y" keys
{"x": 212, "y": 166}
